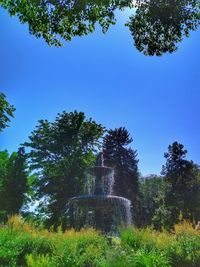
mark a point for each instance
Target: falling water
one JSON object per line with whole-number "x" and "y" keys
{"x": 99, "y": 208}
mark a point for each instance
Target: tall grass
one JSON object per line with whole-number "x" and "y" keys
{"x": 22, "y": 244}
{"x": 180, "y": 247}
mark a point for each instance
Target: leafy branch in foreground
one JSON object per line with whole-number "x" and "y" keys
{"x": 157, "y": 26}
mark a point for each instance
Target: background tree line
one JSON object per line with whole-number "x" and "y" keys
{"x": 50, "y": 169}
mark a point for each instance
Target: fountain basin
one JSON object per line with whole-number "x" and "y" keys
{"x": 99, "y": 209}
{"x": 103, "y": 212}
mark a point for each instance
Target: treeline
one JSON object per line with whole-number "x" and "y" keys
{"x": 50, "y": 168}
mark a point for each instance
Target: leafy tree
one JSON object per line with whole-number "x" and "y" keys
{"x": 6, "y": 111}
{"x": 60, "y": 151}
{"x": 13, "y": 182}
{"x": 156, "y": 25}
{"x": 151, "y": 188}
{"x": 55, "y": 19}
{"x": 125, "y": 163}
{"x": 159, "y": 25}
{"x": 162, "y": 215}
{"x": 183, "y": 184}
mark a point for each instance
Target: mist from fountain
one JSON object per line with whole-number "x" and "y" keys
{"x": 99, "y": 208}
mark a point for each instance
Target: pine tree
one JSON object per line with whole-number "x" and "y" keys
{"x": 183, "y": 185}
{"x": 124, "y": 160}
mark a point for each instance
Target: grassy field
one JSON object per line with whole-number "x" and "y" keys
{"x": 24, "y": 245}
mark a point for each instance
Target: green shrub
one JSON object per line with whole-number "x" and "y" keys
{"x": 40, "y": 261}
{"x": 139, "y": 258}
{"x": 154, "y": 258}
{"x": 116, "y": 257}
{"x": 182, "y": 248}
{"x": 83, "y": 249}
{"x": 185, "y": 252}
{"x": 14, "y": 246}
{"x": 137, "y": 239}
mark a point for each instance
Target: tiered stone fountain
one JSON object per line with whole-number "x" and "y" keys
{"x": 99, "y": 208}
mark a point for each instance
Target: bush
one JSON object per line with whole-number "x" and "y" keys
{"x": 40, "y": 261}
{"x": 84, "y": 248}
{"x": 23, "y": 245}
{"x": 185, "y": 252}
{"x": 181, "y": 248}
{"x": 136, "y": 239}
{"x": 139, "y": 258}
{"x": 154, "y": 258}
{"x": 15, "y": 245}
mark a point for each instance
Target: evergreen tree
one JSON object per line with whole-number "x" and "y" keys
{"x": 13, "y": 182}
{"x": 182, "y": 184}
{"x": 124, "y": 160}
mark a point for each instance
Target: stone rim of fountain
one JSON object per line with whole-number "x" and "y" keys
{"x": 103, "y": 198}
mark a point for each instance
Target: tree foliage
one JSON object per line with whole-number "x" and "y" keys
{"x": 13, "y": 182}
{"x": 6, "y": 112}
{"x": 55, "y": 19}
{"x": 156, "y": 25}
{"x": 124, "y": 161}
{"x": 159, "y": 25}
{"x": 151, "y": 189}
{"x": 183, "y": 184}
{"x": 60, "y": 151}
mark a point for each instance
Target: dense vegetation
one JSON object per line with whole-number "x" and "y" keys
{"x": 13, "y": 183}
{"x": 24, "y": 245}
{"x": 50, "y": 168}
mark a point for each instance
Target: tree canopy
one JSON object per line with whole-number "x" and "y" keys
{"x": 151, "y": 187}
{"x": 159, "y": 25}
{"x": 156, "y": 25}
{"x": 182, "y": 184}
{"x": 13, "y": 182}
{"x": 60, "y": 151}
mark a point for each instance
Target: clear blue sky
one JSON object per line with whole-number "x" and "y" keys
{"x": 156, "y": 99}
